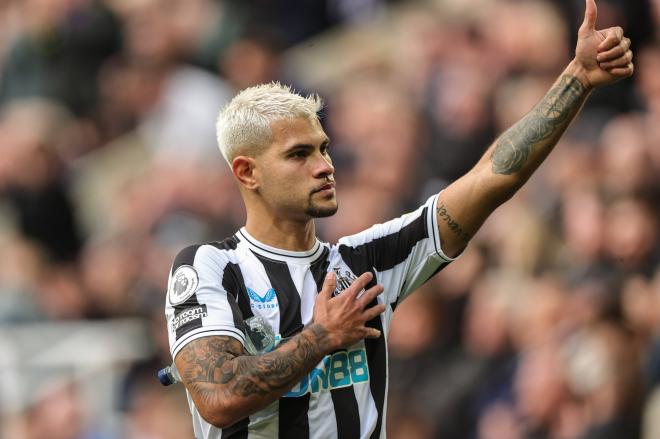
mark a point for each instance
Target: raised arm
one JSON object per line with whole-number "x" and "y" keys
{"x": 601, "y": 58}
{"x": 228, "y": 385}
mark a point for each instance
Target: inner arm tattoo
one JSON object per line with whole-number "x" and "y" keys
{"x": 222, "y": 360}
{"x": 456, "y": 228}
{"x": 540, "y": 128}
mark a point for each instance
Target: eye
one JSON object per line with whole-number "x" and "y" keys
{"x": 299, "y": 154}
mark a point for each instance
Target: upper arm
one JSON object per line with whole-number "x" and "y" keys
{"x": 466, "y": 203}
{"x": 200, "y": 299}
{"x": 206, "y": 365}
{"x": 205, "y": 326}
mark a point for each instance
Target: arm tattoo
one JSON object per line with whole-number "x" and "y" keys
{"x": 546, "y": 121}
{"x": 221, "y": 360}
{"x": 456, "y": 228}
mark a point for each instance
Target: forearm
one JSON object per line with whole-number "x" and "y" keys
{"x": 602, "y": 57}
{"x": 509, "y": 162}
{"x": 523, "y": 147}
{"x": 227, "y": 388}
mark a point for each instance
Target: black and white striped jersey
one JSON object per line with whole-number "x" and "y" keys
{"x": 214, "y": 287}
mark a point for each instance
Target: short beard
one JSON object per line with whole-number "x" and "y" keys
{"x": 320, "y": 212}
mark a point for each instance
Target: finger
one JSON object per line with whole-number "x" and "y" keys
{"x": 614, "y": 37}
{"x": 590, "y": 16}
{"x": 372, "y": 333}
{"x": 358, "y": 285}
{"x": 619, "y": 62}
{"x": 614, "y": 52}
{"x": 329, "y": 285}
{"x": 624, "y": 72}
{"x": 374, "y": 311}
{"x": 370, "y": 295}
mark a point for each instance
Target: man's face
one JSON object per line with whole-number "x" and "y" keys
{"x": 295, "y": 173}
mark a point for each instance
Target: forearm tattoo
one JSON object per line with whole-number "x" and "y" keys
{"x": 544, "y": 123}
{"x": 456, "y": 228}
{"x": 221, "y": 360}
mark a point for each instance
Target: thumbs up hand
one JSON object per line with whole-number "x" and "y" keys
{"x": 602, "y": 56}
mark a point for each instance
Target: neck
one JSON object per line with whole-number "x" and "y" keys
{"x": 281, "y": 233}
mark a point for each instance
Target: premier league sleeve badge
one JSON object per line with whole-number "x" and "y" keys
{"x": 183, "y": 284}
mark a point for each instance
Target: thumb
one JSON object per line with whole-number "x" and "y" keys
{"x": 329, "y": 285}
{"x": 590, "y": 16}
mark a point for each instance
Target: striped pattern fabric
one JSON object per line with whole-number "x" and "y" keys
{"x": 345, "y": 396}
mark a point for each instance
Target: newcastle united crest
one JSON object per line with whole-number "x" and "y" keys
{"x": 344, "y": 280}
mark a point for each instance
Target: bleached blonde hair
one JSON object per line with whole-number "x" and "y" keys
{"x": 244, "y": 123}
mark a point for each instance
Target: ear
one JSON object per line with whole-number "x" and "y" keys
{"x": 244, "y": 169}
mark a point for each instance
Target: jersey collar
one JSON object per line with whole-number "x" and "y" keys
{"x": 304, "y": 257}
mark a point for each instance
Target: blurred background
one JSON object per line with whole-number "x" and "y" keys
{"x": 547, "y": 327}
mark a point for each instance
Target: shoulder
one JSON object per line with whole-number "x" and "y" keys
{"x": 214, "y": 252}
{"x": 413, "y": 224}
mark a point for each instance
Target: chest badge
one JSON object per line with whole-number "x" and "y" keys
{"x": 344, "y": 280}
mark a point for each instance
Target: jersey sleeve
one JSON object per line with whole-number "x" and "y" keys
{"x": 197, "y": 304}
{"x": 405, "y": 252}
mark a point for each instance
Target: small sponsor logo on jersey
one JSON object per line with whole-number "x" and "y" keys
{"x": 341, "y": 369}
{"x": 183, "y": 284}
{"x": 344, "y": 280}
{"x": 266, "y": 301}
{"x": 188, "y": 315}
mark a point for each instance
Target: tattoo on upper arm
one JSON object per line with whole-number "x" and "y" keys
{"x": 221, "y": 360}
{"x": 208, "y": 359}
{"x": 514, "y": 147}
{"x": 456, "y": 228}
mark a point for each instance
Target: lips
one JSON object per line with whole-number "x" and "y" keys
{"x": 325, "y": 187}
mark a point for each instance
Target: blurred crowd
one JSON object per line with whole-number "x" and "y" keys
{"x": 547, "y": 327}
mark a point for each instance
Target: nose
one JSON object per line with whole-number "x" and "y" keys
{"x": 323, "y": 166}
